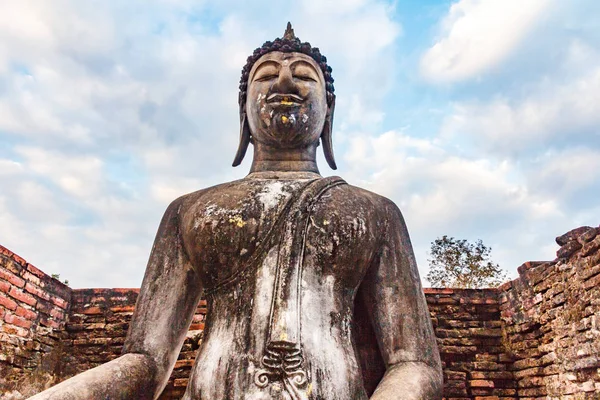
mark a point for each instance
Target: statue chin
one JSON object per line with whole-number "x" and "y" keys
{"x": 287, "y": 130}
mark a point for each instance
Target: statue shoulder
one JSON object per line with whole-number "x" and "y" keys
{"x": 381, "y": 204}
{"x": 186, "y": 201}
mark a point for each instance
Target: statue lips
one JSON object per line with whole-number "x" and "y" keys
{"x": 283, "y": 100}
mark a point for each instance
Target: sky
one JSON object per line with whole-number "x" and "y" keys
{"x": 480, "y": 119}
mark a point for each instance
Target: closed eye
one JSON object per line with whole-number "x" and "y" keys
{"x": 266, "y": 71}
{"x": 304, "y": 71}
{"x": 266, "y": 78}
{"x": 305, "y": 78}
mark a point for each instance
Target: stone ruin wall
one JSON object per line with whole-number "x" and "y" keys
{"x": 97, "y": 328}
{"x": 551, "y": 321}
{"x": 33, "y": 315}
{"x": 536, "y": 337}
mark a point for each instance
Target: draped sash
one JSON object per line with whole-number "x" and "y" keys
{"x": 283, "y": 359}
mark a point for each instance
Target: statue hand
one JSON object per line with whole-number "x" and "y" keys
{"x": 130, "y": 376}
{"x": 410, "y": 381}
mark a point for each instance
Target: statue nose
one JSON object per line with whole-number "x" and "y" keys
{"x": 285, "y": 82}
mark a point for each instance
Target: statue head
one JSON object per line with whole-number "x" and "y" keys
{"x": 286, "y": 98}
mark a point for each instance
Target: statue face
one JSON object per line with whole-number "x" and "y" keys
{"x": 286, "y": 102}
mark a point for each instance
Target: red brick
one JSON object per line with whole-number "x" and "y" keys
{"x": 432, "y": 291}
{"x": 480, "y": 383}
{"x": 592, "y": 282}
{"x": 17, "y": 321}
{"x": 15, "y": 330}
{"x": 92, "y": 311}
{"x": 97, "y": 299}
{"x": 4, "y": 286}
{"x": 198, "y": 318}
{"x": 35, "y": 271}
{"x": 57, "y": 314}
{"x": 180, "y": 382}
{"x": 197, "y": 327}
{"x": 122, "y": 309}
{"x": 49, "y": 322}
{"x": 125, "y": 290}
{"x": 32, "y": 278}
{"x": 25, "y": 313}
{"x": 184, "y": 363}
{"x": 22, "y": 296}
{"x": 8, "y": 303}
{"x": 5, "y": 251}
{"x": 37, "y": 291}
{"x": 18, "y": 259}
{"x": 11, "y": 278}
{"x": 57, "y": 301}
{"x": 505, "y": 286}
{"x": 12, "y": 256}
{"x": 13, "y": 267}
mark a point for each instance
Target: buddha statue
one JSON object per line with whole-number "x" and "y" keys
{"x": 311, "y": 284}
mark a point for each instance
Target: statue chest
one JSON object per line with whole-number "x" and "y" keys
{"x": 280, "y": 280}
{"x": 229, "y": 231}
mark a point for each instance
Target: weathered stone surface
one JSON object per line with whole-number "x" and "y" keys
{"x": 568, "y": 249}
{"x": 31, "y": 325}
{"x": 549, "y": 319}
{"x": 588, "y": 235}
{"x": 282, "y": 256}
{"x": 98, "y": 319}
{"x": 572, "y": 235}
{"x": 557, "y": 355}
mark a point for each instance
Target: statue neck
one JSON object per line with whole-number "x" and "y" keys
{"x": 268, "y": 158}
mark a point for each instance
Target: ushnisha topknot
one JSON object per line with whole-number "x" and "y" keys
{"x": 288, "y": 44}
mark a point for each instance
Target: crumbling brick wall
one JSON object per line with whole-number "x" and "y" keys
{"x": 469, "y": 333}
{"x": 467, "y": 324}
{"x": 551, "y": 319}
{"x": 536, "y": 337}
{"x": 97, "y": 327}
{"x": 33, "y": 313}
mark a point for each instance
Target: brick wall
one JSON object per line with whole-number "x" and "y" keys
{"x": 469, "y": 332}
{"x": 33, "y": 313}
{"x": 467, "y": 324}
{"x": 537, "y": 337}
{"x": 551, "y": 319}
{"x": 98, "y": 325}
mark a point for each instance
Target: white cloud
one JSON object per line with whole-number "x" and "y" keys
{"x": 478, "y": 34}
{"x": 10, "y": 167}
{"x": 565, "y": 113}
{"x": 114, "y": 116}
{"x": 524, "y": 144}
{"x": 571, "y": 176}
{"x": 442, "y": 193}
{"x": 78, "y": 176}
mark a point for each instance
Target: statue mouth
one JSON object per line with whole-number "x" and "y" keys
{"x": 284, "y": 100}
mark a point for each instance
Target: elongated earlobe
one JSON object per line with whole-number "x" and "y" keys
{"x": 244, "y": 141}
{"x": 326, "y": 137}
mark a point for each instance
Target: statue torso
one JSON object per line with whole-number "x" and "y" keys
{"x": 250, "y": 303}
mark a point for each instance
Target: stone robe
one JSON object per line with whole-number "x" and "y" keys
{"x": 290, "y": 315}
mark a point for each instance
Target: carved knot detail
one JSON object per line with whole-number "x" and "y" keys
{"x": 283, "y": 362}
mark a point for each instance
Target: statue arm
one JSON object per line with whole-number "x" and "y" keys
{"x": 165, "y": 307}
{"x": 393, "y": 295}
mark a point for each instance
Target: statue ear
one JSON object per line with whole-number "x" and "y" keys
{"x": 244, "y": 140}
{"x": 326, "y": 136}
